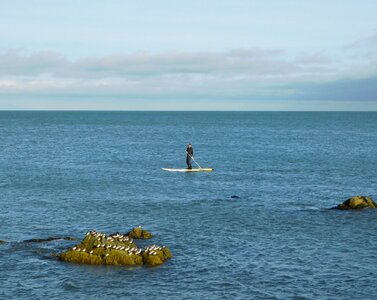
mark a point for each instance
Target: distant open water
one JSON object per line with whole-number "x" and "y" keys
{"x": 64, "y": 173}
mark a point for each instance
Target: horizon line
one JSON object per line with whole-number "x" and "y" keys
{"x": 152, "y": 110}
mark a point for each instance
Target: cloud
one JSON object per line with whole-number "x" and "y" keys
{"x": 14, "y": 63}
{"x": 184, "y": 63}
{"x": 368, "y": 41}
{"x": 356, "y": 89}
{"x": 236, "y": 74}
{"x": 363, "y": 49}
{"x": 249, "y": 62}
{"x": 313, "y": 59}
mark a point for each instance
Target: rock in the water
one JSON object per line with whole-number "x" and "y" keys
{"x": 67, "y": 238}
{"x": 139, "y": 233}
{"x": 156, "y": 255}
{"x": 235, "y": 197}
{"x": 357, "y": 202}
{"x": 2, "y": 242}
{"x": 115, "y": 249}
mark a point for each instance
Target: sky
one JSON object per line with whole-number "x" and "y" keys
{"x": 188, "y": 55}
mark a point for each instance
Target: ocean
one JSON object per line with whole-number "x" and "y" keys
{"x": 258, "y": 227}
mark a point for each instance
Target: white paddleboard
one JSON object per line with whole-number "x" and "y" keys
{"x": 189, "y": 170}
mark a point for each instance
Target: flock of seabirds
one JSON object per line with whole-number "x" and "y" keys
{"x": 101, "y": 238}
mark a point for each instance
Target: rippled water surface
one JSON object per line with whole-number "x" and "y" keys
{"x": 64, "y": 173}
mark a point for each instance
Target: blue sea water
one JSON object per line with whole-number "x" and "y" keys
{"x": 64, "y": 173}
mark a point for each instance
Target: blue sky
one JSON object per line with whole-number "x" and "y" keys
{"x": 188, "y": 55}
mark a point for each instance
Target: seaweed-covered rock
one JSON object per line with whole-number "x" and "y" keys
{"x": 139, "y": 233}
{"x": 156, "y": 255}
{"x": 2, "y": 242}
{"x": 102, "y": 257}
{"x": 357, "y": 202}
{"x": 115, "y": 249}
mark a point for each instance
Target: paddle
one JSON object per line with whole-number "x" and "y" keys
{"x": 193, "y": 159}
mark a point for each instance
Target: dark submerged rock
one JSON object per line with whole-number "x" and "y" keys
{"x": 357, "y": 202}
{"x": 67, "y": 238}
{"x": 2, "y": 242}
{"x": 235, "y": 197}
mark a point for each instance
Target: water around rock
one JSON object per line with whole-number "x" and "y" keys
{"x": 63, "y": 172}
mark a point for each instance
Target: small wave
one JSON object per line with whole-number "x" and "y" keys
{"x": 69, "y": 285}
{"x": 311, "y": 208}
{"x": 305, "y": 208}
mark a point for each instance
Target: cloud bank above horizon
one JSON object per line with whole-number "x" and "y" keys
{"x": 235, "y": 77}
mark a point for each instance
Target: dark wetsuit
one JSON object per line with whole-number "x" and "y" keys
{"x": 190, "y": 151}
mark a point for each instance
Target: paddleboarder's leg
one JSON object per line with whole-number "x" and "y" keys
{"x": 188, "y": 162}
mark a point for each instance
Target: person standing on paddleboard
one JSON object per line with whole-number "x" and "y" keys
{"x": 189, "y": 156}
